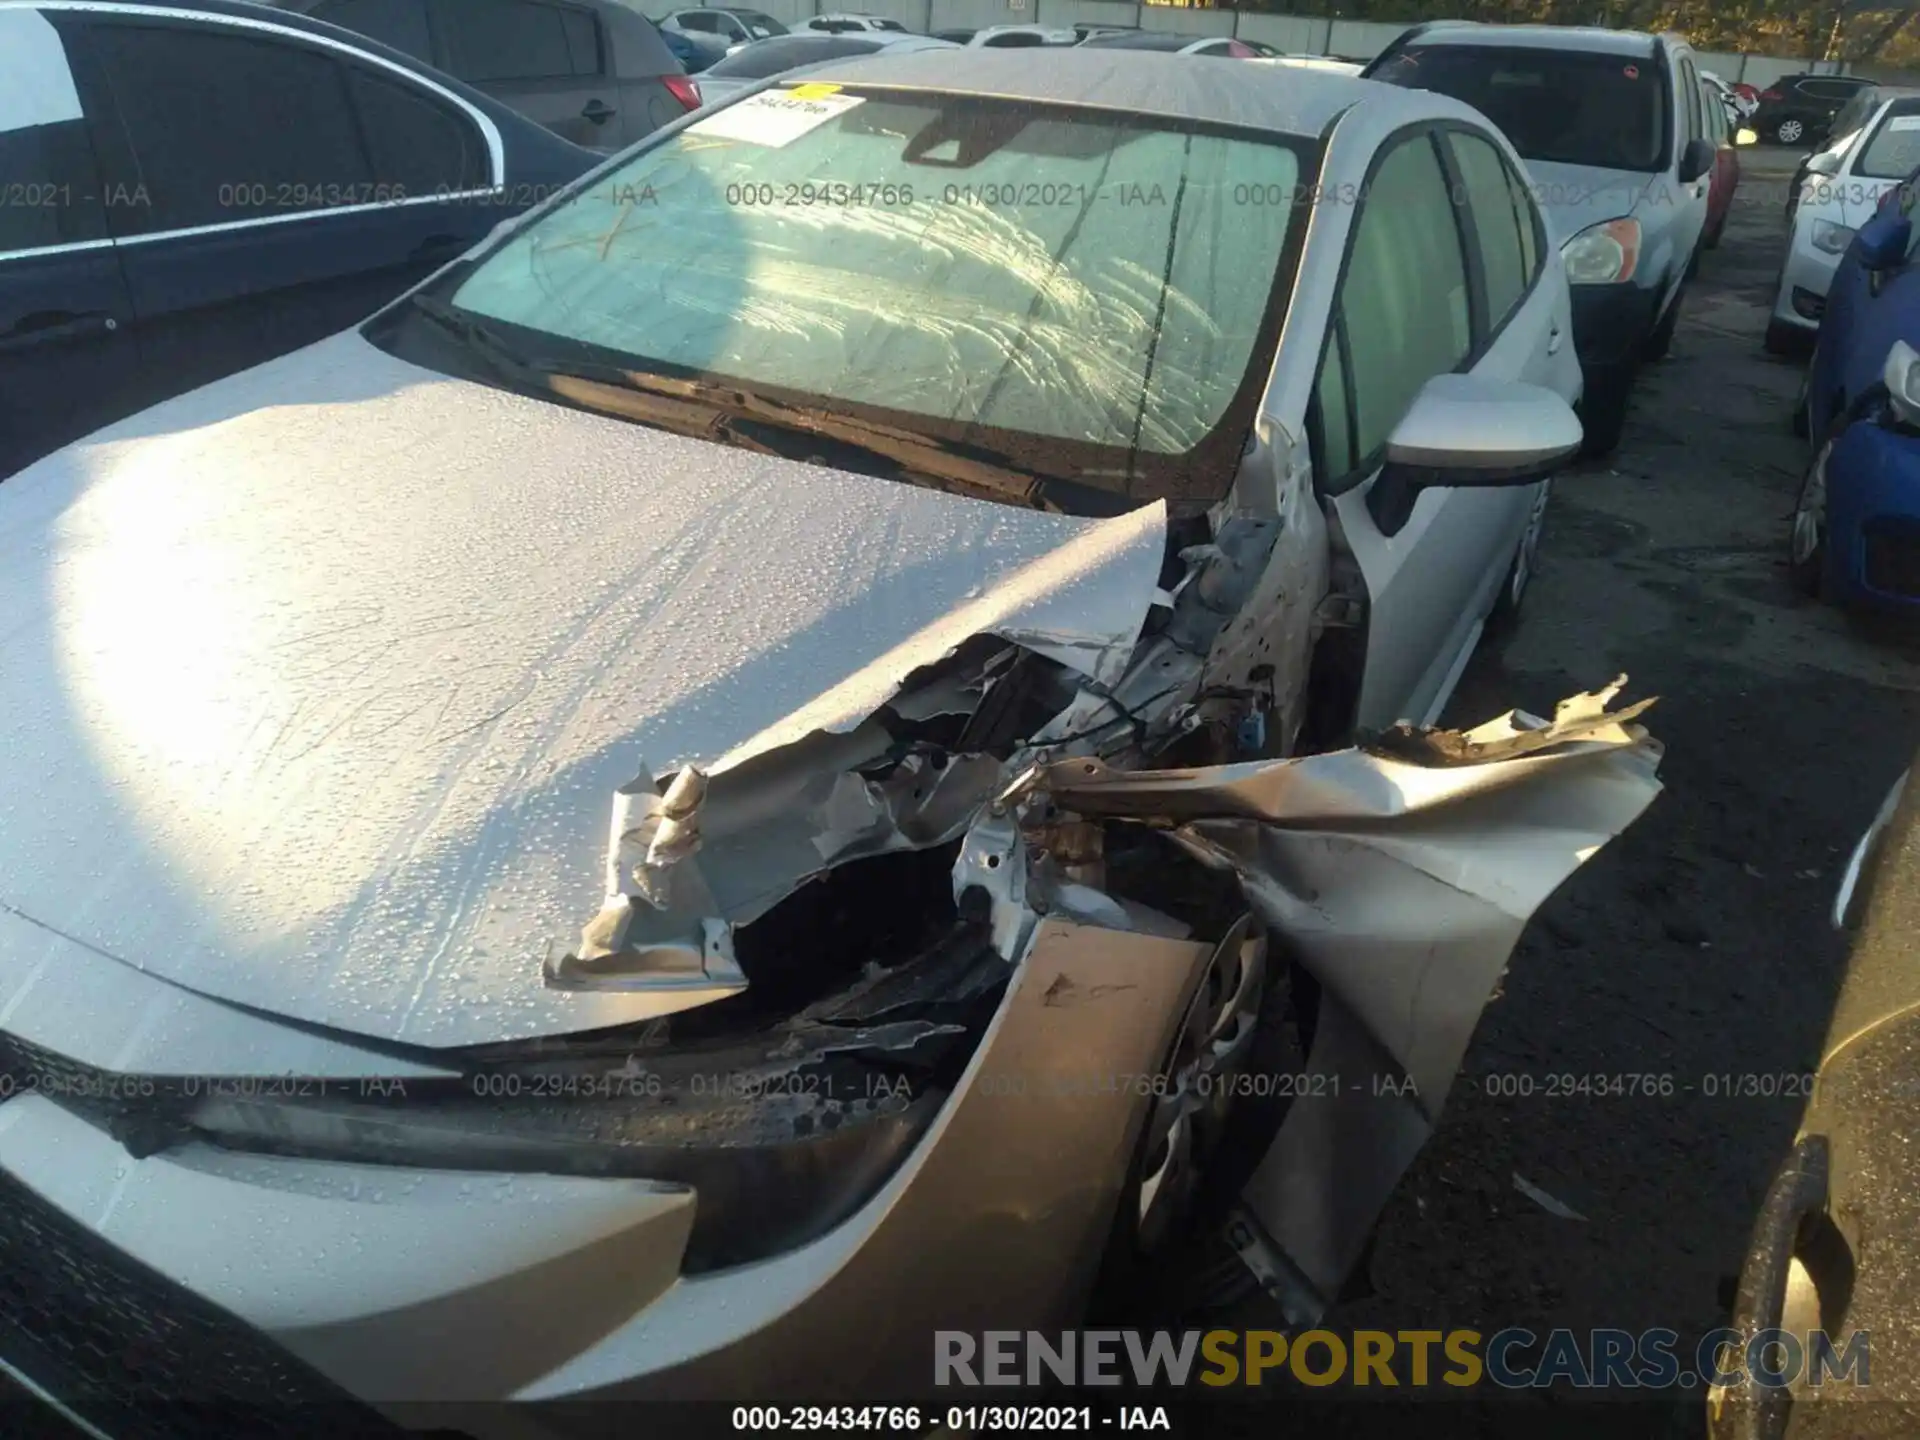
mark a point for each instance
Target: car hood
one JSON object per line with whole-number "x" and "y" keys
{"x": 1575, "y": 196}
{"x": 314, "y": 684}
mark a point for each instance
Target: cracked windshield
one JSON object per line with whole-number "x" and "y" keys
{"x": 1071, "y": 275}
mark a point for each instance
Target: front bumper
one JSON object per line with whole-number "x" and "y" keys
{"x": 1611, "y": 324}
{"x": 434, "y": 1287}
{"x": 1873, "y": 518}
{"x": 119, "y": 1347}
{"x": 1805, "y": 278}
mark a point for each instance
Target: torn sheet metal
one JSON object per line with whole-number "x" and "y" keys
{"x": 761, "y": 831}
{"x": 312, "y": 730}
{"x": 1401, "y": 883}
{"x": 1266, "y": 647}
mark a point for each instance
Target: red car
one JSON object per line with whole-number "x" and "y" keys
{"x": 1726, "y": 165}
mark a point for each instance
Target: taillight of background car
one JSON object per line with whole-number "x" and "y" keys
{"x": 682, "y": 89}
{"x": 1771, "y": 95}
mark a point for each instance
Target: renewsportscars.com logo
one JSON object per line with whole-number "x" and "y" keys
{"x": 1510, "y": 1359}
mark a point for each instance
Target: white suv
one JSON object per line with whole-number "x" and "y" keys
{"x": 1614, "y": 128}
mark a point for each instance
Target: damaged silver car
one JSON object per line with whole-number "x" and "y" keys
{"x": 742, "y": 774}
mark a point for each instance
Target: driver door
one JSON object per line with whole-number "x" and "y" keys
{"x": 1432, "y": 287}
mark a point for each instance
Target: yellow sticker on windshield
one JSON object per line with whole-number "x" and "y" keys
{"x": 773, "y": 118}
{"x": 812, "y": 90}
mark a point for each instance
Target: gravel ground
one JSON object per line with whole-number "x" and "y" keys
{"x": 1695, "y": 946}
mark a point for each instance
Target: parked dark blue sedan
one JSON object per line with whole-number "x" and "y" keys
{"x": 186, "y": 193}
{"x": 1855, "y": 537}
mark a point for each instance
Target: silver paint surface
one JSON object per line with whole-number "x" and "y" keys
{"x": 314, "y": 684}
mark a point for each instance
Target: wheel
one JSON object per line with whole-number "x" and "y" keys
{"x": 1209, "y": 1052}
{"x": 1784, "y": 339}
{"x": 1807, "y": 542}
{"x": 1603, "y": 410}
{"x": 1506, "y": 609}
{"x": 1661, "y": 340}
{"x": 1790, "y": 131}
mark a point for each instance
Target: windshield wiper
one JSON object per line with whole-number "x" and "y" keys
{"x": 728, "y": 414}
{"x": 711, "y": 410}
{"x": 476, "y": 337}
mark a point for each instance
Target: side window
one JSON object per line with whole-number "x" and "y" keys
{"x": 1496, "y": 223}
{"x": 226, "y": 125}
{"x": 52, "y": 195}
{"x": 1533, "y": 227}
{"x": 1404, "y": 296}
{"x": 583, "y": 41}
{"x": 1335, "y": 412}
{"x": 1690, "y": 127}
{"x": 1013, "y": 38}
{"x": 516, "y": 40}
{"x": 420, "y": 144}
{"x": 399, "y": 23}
{"x": 697, "y": 20}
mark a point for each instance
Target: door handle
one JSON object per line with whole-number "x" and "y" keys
{"x": 597, "y": 111}
{"x": 51, "y": 327}
{"x": 1553, "y": 341}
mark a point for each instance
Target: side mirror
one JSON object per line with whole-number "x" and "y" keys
{"x": 1825, "y": 163}
{"x": 1882, "y": 241}
{"x": 1461, "y": 431}
{"x": 1745, "y": 136}
{"x": 1696, "y": 160}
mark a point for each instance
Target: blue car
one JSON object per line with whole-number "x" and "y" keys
{"x": 1855, "y": 537}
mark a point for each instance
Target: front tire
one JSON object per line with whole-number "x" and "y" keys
{"x": 1603, "y": 411}
{"x": 1526, "y": 562}
{"x": 1807, "y": 540}
{"x": 1661, "y": 340}
{"x": 1788, "y": 341}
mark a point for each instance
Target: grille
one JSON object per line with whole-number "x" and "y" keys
{"x": 1893, "y": 559}
{"x": 138, "y": 1357}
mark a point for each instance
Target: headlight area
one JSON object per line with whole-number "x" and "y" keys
{"x": 1831, "y": 239}
{"x": 1900, "y": 378}
{"x": 1603, "y": 254}
{"x": 782, "y": 1126}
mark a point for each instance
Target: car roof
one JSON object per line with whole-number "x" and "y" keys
{"x": 1588, "y": 38}
{"x": 1148, "y": 82}
{"x": 1147, "y": 40}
